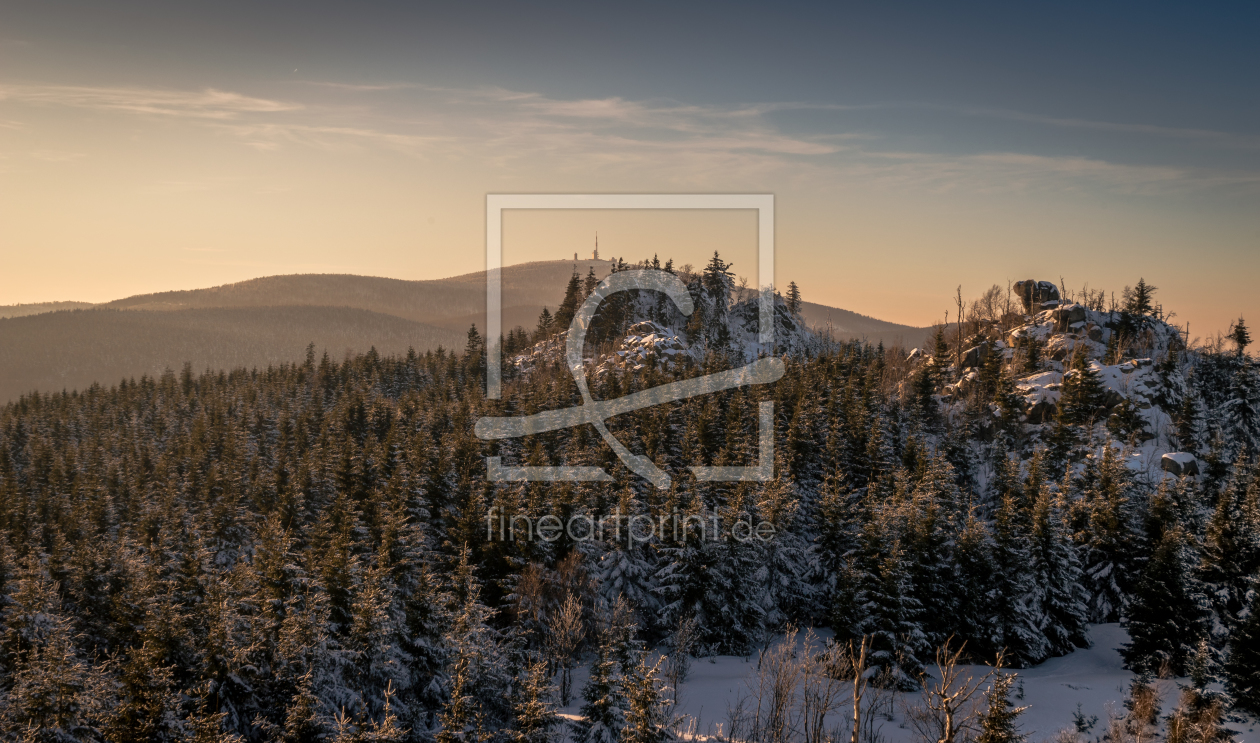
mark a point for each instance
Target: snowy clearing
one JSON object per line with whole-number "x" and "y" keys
{"x": 1093, "y": 677}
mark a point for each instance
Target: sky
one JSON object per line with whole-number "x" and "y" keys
{"x": 911, "y": 148}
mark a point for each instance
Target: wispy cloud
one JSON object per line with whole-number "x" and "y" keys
{"x": 266, "y": 135}
{"x": 1227, "y": 139}
{"x": 1005, "y": 172}
{"x": 647, "y": 141}
{"x": 203, "y": 104}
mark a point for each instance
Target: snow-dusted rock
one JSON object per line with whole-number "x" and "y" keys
{"x": 1036, "y": 293}
{"x": 975, "y": 357}
{"x": 1067, "y": 316}
{"x": 1179, "y": 463}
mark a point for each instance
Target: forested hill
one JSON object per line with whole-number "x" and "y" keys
{"x": 271, "y": 320}
{"x": 304, "y": 551}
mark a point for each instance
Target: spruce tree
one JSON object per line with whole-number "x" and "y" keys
{"x": 1110, "y": 558}
{"x": 647, "y": 712}
{"x": 1010, "y": 404}
{"x": 603, "y": 699}
{"x": 999, "y": 718}
{"x": 1141, "y": 299}
{"x": 1034, "y": 359}
{"x": 1241, "y": 336}
{"x": 1241, "y": 424}
{"x": 589, "y": 283}
{"x": 1231, "y": 547}
{"x": 1163, "y": 618}
{"x": 974, "y": 582}
{"x": 891, "y": 618}
{"x": 1082, "y": 392}
{"x": 533, "y": 716}
{"x": 715, "y": 296}
{"x": 1191, "y": 423}
{"x": 1015, "y": 622}
{"x": 990, "y": 370}
{"x": 1059, "y": 594}
{"x": 941, "y": 355}
{"x": 49, "y": 682}
{"x": 1242, "y": 666}
{"x": 793, "y": 298}
{"x": 545, "y": 325}
{"x": 626, "y": 569}
{"x": 478, "y": 699}
{"x": 573, "y": 298}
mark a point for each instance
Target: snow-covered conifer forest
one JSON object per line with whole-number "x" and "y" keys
{"x": 301, "y": 553}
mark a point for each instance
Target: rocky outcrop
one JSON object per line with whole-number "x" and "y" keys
{"x": 1179, "y": 463}
{"x": 1066, "y": 317}
{"x": 1035, "y": 294}
{"x": 975, "y": 357}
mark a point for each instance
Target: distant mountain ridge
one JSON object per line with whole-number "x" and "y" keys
{"x": 270, "y": 320}
{"x": 40, "y": 308}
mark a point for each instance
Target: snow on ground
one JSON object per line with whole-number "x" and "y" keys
{"x": 1093, "y": 677}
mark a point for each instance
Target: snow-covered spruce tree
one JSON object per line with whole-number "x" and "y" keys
{"x": 534, "y": 718}
{"x": 934, "y": 511}
{"x": 1062, "y": 439}
{"x": 603, "y": 698}
{"x": 1241, "y": 412}
{"x": 922, "y": 404}
{"x": 836, "y": 523}
{"x": 1016, "y": 622}
{"x": 1082, "y": 392}
{"x": 415, "y": 610}
{"x": 147, "y": 705}
{"x": 625, "y": 567}
{"x": 880, "y": 455}
{"x": 1109, "y": 540}
{"x": 891, "y": 619}
{"x": 711, "y": 293}
{"x": 50, "y": 683}
{"x": 999, "y": 720}
{"x": 739, "y": 601}
{"x": 1058, "y": 594}
{"x": 310, "y": 668}
{"x": 1010, "y": 406}
{"x": 647, "y": 716}
{"x": 974, "y": 579}
{"x": 1231, "y": 548}
{"x": 229, "y": 660}
{"x": 1164, "y": 620}
{"x": 685, "y": 558}
{"x": 479, "y": 683}
{"x": 721, "y": 584}
{"x": 1242, "y": 666}
{"x": 1173, "y": 387}
{"x": 376, "y": 640}
{"x": 785, "y": 553}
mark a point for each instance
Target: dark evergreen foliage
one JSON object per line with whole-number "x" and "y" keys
{"x": 301, "y": 552}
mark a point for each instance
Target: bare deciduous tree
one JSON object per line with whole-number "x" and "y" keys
{"x": 679, "y": 659}
{"x": 948, "y": 703}
{"x": 857, "y": 670}
{"x": 565, "y": 632}
{"x": 797, "y": 689}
